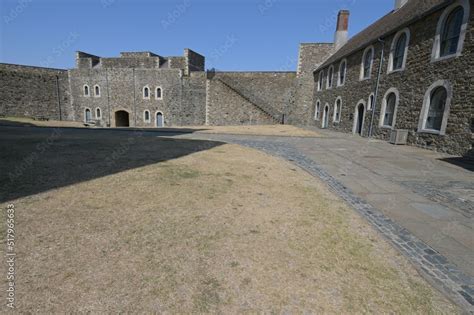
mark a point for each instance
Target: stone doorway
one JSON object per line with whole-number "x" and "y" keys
{"x": 359, "y": 118}
{"x": 160, "y": 121}
{"x": 122, "y": 119}
{"x": 325, "y": 117}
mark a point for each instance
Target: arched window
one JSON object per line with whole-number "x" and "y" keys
{"x": 97, "y": 91}
{"x": 146, "y": 116}
{"x": 321, "y": 81}
{"x": 86, "y": 90}
{"x": 337, "y": 110}
{"x": 399, "y": 50}
{"x": 87, "y": 115}
{"x": 370, "y": 104}
{"x": 367, "y": 61}
{"x": 435, "y": 111}
{"x": 389, "y": 108}
{"x": 317, "y": 110}
{"x": 146, "y": 92}
{"x": 98, "y": 113}
{"x": 330, "y": 77}
{"x": 342, "y": 73}
{"x": 159, "y": 93}
{"x": 451, "y": 30}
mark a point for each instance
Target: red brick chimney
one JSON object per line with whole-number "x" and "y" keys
{"x": 342, "y": 31}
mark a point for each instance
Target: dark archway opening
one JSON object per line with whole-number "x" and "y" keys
{"x": 360, "y": 118}
{"x": 122, "y": 119}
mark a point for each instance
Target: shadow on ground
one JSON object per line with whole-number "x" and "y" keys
{"x": 464, "y": 162}
{"x": 34, "y": 160}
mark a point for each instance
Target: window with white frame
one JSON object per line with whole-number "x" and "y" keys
{"x": 399, "y": 51}
{"x": 330, "y": 77}
{"x": 435, "y": 110}
{"x": 98, "y": 113}
{"x": 86, "y": 90}
{"x": 96, "y": 91}
{"x": 146, "y": 92}
{"x": 451, "y": 31}
{"x": 337, "y": 110}
{"x": 321, "y": 80}
{"x": 367, "y": 61}
{"x": 146, "y": 116}
{"x": 317, "y": 110}
{"x": 388, "y": 113}
{"x": 159, "y": 93}
{"x": 371, "y": 101}
{"x": 342, "y": 73}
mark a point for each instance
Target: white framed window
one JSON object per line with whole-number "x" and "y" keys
{"x": 341, "y": 77}
{"x": 146, "y": 93}
{"x": 367, "y": 63}
{"x": 159, "y": 93}
{"x": 399, "y": 51}
{"x": 146, "y": 116}
{"x": 436, "y": 106}
{"x": 96, "y": 90}
{"x": 371, "y": 102}
{"x": 321, "y": 80}
{"x": 451, "y": 31}
{"x": 87, "y": 115}
{"x": 317, "y": 110}
{"x": 337, "y": 110}
{"x": 330, "y": 79}
{"x": 388, "y": 114}
{"x": 86, "y": 90}
{"x": 98, "y": 113}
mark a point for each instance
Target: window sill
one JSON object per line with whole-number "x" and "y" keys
{"x": 396, "y": 71}
{"x": 452, "y": 56}
{"x": 386, "y": 127}
{"x": 432, "y": 132}
{"x": 365, "y": 79}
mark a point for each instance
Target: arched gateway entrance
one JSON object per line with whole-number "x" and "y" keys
{"x": 122, "y": 119}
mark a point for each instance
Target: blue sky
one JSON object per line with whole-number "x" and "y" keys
{"x": 232, "y": 34}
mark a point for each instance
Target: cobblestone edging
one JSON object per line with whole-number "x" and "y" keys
{"x": 434, "y": 266}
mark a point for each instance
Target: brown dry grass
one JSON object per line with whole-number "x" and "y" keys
{"x": 8, "y": 121}
{"x": 227, "y": 229}
{"x": 262, "y": 130}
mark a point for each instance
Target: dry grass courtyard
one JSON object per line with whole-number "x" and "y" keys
{"x": 110, "y": 221}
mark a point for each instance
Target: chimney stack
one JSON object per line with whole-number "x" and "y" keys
{"x": 400, "y": 3}
{"x": 342, "y": 31}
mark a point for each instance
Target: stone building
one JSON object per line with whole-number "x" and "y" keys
{"x": 408, "y": 74}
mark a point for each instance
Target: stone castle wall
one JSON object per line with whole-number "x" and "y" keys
{"x": 412, "y": 83}
{"x": 34, "y": 92}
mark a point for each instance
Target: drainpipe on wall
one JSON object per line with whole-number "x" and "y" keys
{"x": 59, "y": 98}
{"x": 371, "y": 127}
{"x": 134, "y": 98}
{"x": 108, "y": 95}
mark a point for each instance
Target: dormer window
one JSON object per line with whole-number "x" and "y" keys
{"x": 330, "y": 77}
{"x": 451, "y": 31}
{"x": 367, "y": 61}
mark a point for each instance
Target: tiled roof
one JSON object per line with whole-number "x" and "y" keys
{"x": 393, "y": 21}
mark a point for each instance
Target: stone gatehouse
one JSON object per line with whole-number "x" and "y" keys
{"x": 408, "y": 74}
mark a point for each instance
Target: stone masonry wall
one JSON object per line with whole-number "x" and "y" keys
{"x": 310, "y": 57}
{"x": 33, "y": 91}
{"x": 412, "y": 83}
{"x": 182, "y": 102}
{"x": 270, "y": 92}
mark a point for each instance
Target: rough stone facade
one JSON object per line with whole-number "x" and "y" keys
{"x": 34, "y": 92}
{"x": 411, "y": 83}
{"x": 192, "y": 96}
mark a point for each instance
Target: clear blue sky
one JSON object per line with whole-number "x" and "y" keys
{"x": 232, "y": 34}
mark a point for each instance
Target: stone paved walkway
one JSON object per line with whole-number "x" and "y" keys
{"x": 423, "y": 205}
